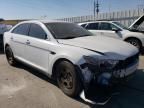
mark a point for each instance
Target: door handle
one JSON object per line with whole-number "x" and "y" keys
{"x": 28, "y": 42}
{"x": 11, "y": 38}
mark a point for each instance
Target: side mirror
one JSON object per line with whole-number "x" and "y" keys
{"x": 115, "y": 29}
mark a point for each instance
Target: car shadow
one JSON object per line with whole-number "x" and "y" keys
{"x": 130, "y": 94}
{"x": 1, "y": 51}
{"x": 42, "y": 76}
{"x": 35, "y": 72}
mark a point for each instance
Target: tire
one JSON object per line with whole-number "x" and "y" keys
{"x": 68, "y": 79}
{"x": 135, "y": 42}
{"x": 9, "y": 55}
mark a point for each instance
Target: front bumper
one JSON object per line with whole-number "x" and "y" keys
{"x": 100, "y": 89}
{"x": 92, "y": 74}
{"x": 108, "y": 79}
{"x": 100, "y": 85}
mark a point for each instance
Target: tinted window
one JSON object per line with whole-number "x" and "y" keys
{"x": 105, "y": 26}
{"x": 21, "y": 29}
{"x": 115, "y": 27}
{"x": 83, "y": 25}
{"x": 67, "y": 30}
{"x": 37, "y": 32}
{"x": 93, "y": 26}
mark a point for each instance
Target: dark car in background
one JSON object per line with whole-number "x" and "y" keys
{"x": 3, "y": 28}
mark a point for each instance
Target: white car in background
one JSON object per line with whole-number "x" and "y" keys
{"x": 70, "y": 54}
{"x": 134, "y": 34}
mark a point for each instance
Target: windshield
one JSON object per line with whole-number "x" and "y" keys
{"x": 121, "y": 25}
{"x": 67, "y": 30}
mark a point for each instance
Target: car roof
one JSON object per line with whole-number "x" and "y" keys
{"x": 96, "y": 22}
{"x": 45, "y": 21}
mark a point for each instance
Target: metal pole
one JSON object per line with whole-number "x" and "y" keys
{"x": 109, "y": 6}
{"x": 97, "y": 7}
{"x": 94, "y": 7}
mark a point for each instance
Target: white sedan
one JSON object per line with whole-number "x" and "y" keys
{"x": 134, "y": 34}
{"x": 70, "y": 54}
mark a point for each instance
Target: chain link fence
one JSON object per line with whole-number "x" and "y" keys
{"x": 125, "y": 17}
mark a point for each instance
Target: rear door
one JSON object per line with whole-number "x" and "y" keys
{"x": 18, "y": 40}
{"x": 37, "y": 49}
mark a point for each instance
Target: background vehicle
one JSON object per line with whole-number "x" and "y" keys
{"x": 3, "y": 28}
{"x": 138, "y": 25}
{"x": 70, "y": 54}
{"x": 113, "y": 29}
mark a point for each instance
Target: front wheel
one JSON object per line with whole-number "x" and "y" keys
{"x": 68, "y": 79}
{"x": 9, "y": 55}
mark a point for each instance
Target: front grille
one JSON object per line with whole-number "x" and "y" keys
{"x": 123, "y": 64}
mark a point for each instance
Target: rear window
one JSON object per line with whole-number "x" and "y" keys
{"x": 83, "y": 25}
{"x": 22, "y": 29}
{"x": 93, "y": 26}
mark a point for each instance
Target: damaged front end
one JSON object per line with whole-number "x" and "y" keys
{"x": 105, "y": 73}
{"x": 98, "y": 71}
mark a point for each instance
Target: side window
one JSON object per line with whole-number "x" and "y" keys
{"x": 37, "y": 32}
{"x": 22, "y": 29}
{"x": 114, "y": 27}
{"x": 83, "y": 25}
{"x": 93, "y": 26}
{"x": 105, "y": 26}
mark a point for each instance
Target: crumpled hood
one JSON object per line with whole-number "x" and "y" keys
{"x": 113, "y": 48}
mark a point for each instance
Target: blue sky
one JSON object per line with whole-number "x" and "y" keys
{"x": 53, "y": 9}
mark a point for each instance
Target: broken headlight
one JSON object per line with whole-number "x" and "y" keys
{"x": 102, "y": 64}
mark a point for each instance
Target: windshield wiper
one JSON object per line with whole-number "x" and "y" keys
{"x": 85, "y": 35}
{"x": 90, "y": 34}
{"x": 71, "y": 37}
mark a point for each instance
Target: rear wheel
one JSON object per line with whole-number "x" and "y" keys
{"x": 68, "y": 79}
{"x": 9, "y": 55}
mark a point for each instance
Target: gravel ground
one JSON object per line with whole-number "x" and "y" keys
{"x": 23, "y": 87}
